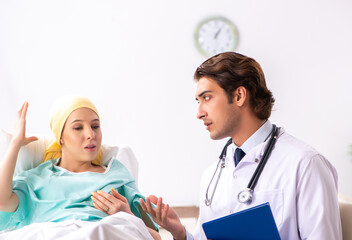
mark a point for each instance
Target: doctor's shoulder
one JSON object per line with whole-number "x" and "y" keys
{"x": 295, "y": 147}
{"x": 299, "y": 152}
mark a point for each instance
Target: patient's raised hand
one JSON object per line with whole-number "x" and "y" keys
{"x": 19, "y": 136}
{"x": 8, "y": 199}
{"x": 110, "y": 204}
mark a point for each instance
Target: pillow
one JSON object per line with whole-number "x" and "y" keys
{"x": 31, "y": 155}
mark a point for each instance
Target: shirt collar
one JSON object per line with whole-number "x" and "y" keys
{"x": 258, "y": 137}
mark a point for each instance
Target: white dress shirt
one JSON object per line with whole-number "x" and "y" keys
{"x": 298, "y": 182}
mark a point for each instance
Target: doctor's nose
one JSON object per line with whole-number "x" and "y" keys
{"x": 201, "y": 113}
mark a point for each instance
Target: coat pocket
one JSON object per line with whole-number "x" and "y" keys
{"x": 276, "y": 200}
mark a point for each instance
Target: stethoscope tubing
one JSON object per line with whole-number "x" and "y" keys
{"x": 222, "y": 158}
{"x": 207, "y": 200}
{"x": 268, "y": 150}
{"x": 254, "y": 179}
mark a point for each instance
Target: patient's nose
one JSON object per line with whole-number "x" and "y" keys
{"x": 90, "y": 134}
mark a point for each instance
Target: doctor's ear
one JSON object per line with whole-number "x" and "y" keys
{"x": 239, "y": 96}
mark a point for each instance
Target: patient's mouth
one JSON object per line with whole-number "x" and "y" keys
{"x": 90, "y": 148}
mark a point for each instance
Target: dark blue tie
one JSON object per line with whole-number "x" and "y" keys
{"x": 239, "y": 154}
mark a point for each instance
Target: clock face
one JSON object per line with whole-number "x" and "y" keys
{"x": 215, "y": 35}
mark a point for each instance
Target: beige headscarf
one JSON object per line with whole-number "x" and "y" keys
{"x": 60, "y": 111}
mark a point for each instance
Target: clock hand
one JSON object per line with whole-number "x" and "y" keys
{"x": 217, "y": 33}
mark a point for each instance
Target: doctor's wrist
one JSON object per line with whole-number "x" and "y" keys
{"x": 180, "y": 235}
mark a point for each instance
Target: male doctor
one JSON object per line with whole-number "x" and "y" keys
{"x": 297, "y": 181}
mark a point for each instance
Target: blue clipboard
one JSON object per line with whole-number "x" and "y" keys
{"x": 250, "y": 224}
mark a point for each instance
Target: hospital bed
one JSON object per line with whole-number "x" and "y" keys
{"x": 117, "y": 226}
{"x": 345, "y": 204}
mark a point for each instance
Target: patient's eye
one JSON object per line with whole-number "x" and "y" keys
{"x": 96, "y": 126}
{"x": 77, "y": 127}
{"x": 206, "y": 97}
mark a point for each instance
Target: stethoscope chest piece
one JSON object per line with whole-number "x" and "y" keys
{"x": 245, "y": 196}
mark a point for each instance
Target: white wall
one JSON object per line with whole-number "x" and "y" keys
{"x": 135, "y": 60}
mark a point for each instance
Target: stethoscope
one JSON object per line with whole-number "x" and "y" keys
{"x": 246, "y": 195}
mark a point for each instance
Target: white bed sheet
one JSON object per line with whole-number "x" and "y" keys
{"x": 120, "y": 226}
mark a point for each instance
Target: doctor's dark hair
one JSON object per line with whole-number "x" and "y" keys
{"x": 231, "y": 70}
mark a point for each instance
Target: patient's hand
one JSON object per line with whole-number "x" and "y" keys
{"x": 164, "y": 216}
{"x": 19, "y": 136}
{"x": 110, "y": 204}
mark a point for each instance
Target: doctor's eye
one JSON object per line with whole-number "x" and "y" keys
{"x": 206, "y": 98}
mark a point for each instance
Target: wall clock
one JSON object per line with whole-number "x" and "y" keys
{"x": 214, "y": 35}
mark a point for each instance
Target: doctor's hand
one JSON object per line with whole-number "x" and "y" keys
{"x": 19, "y": 136}
{"x": 110, "y": 204}
{"x": 163, "y": 215}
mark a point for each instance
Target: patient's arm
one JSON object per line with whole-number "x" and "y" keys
{"x": 8, "y": 199}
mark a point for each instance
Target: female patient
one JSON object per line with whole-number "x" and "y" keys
{"x": 70, "y": 182}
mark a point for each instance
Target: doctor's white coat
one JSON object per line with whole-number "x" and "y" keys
{"x": 298, "y": 182}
